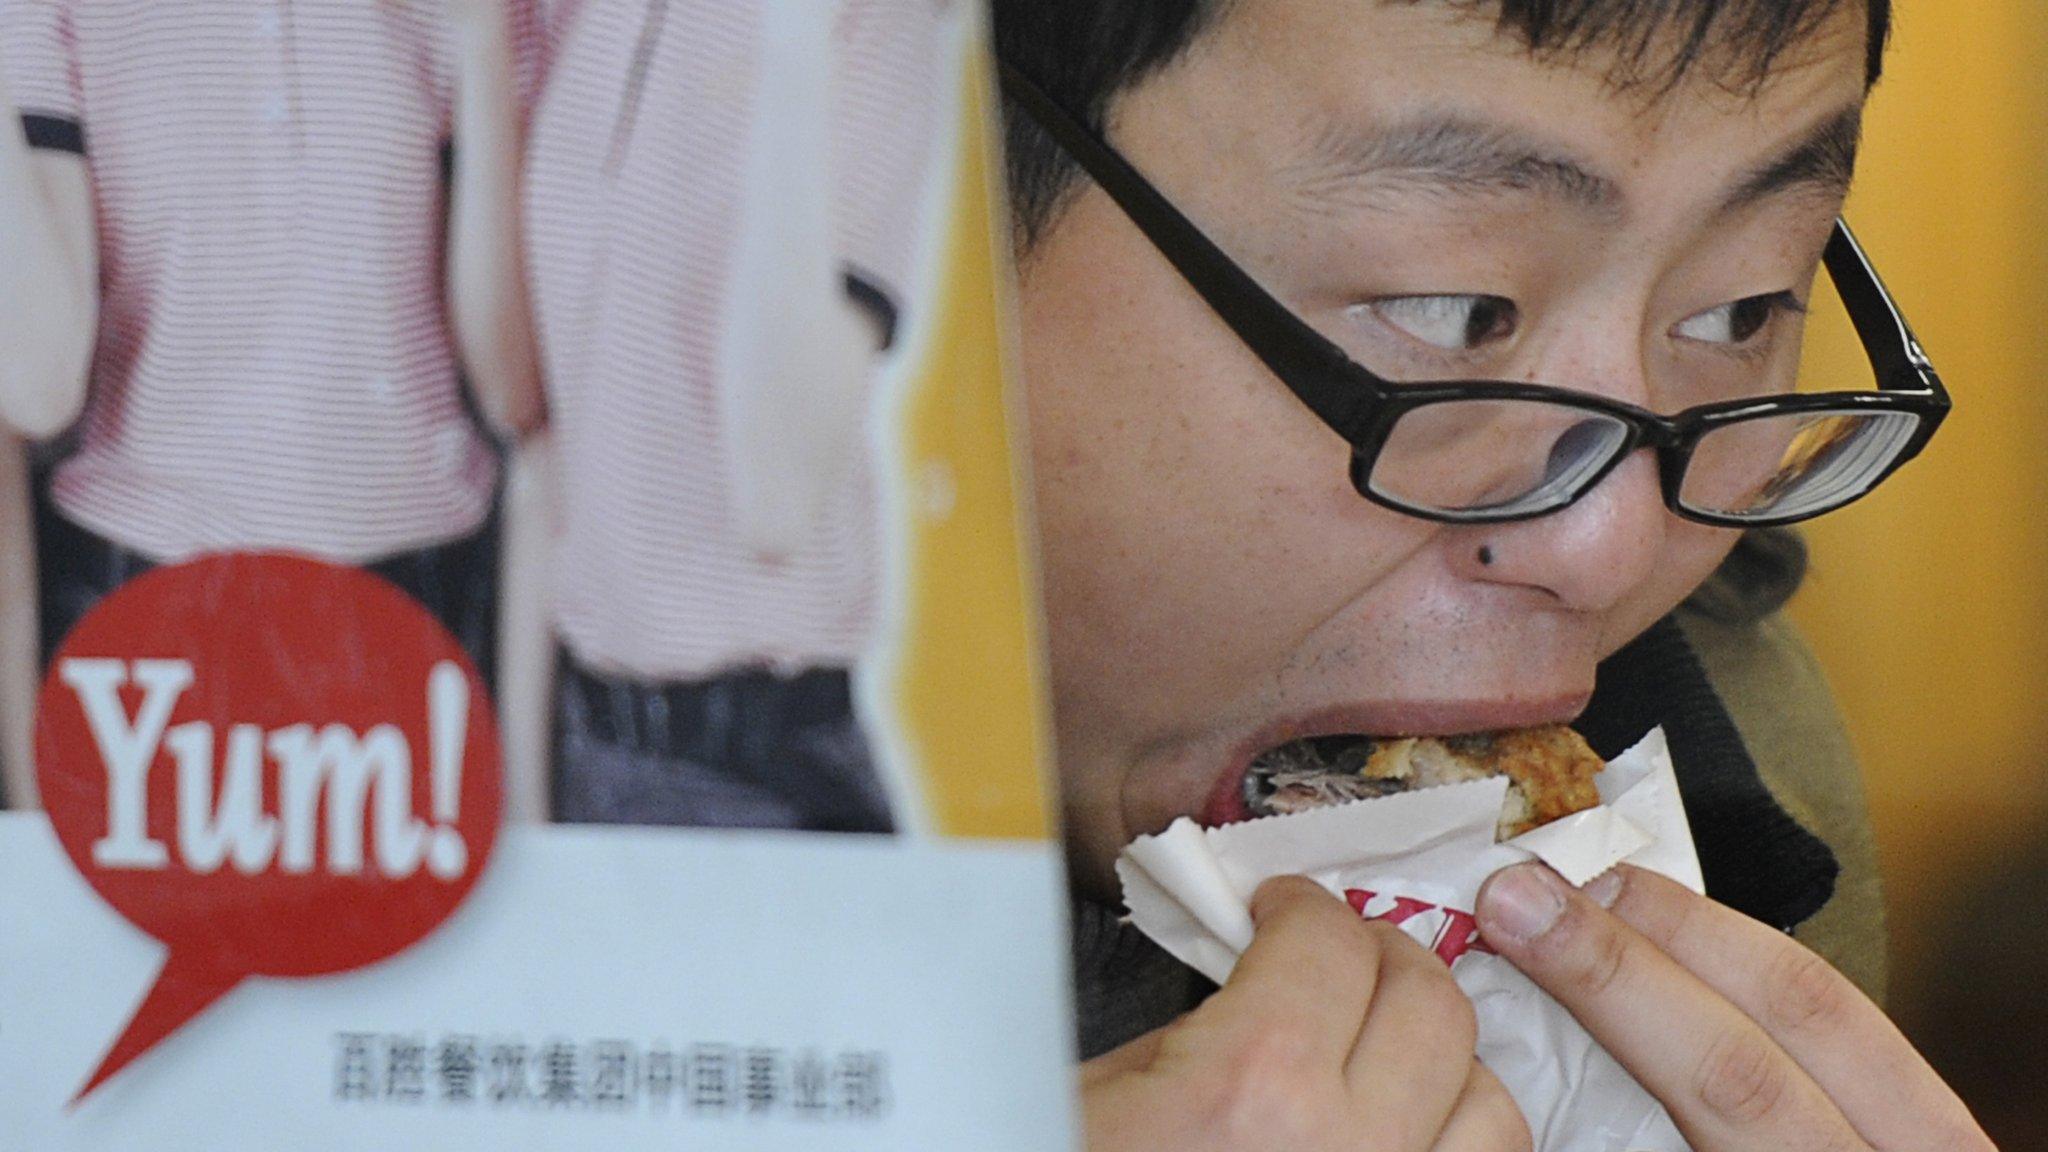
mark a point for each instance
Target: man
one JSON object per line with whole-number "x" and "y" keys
{"x": 244, "y": 258}
{"x": 1250, "y": 536}
{"x": 724, "y": 202}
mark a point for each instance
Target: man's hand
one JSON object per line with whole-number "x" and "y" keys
{"x": 1333, "y": 1033}
{"x": 1750, "y": 1040}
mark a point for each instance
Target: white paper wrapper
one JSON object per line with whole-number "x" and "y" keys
{"x": 1418, "y": 858}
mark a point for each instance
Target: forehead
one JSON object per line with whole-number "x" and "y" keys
{"x": 1635, "y": 45}
{"x": 1334, "y": 96}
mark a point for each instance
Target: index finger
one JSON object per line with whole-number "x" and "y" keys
{"x": 1845, "y": 1042}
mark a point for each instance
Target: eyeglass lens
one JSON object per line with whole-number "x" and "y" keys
{"x": 1514, "y": 457}
{"x": 1500, "y": 457}
{"x": 1793, "y": 463}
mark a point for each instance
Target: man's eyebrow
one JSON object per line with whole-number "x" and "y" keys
{"x": 1822, "y": 161}
{"x": 1443, "y": 154}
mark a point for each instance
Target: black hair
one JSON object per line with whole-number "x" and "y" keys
{"x": 1085, "y": 52}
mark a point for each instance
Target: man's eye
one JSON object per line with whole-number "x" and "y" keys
{"x": 1453, "y": 323}
{"x": 1737, "y": 322}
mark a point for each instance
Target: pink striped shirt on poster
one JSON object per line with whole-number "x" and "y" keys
{"x": 274, "y": 367}
{"x": 635, "y": 206}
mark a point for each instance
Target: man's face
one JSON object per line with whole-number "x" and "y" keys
{"x": 1443, "y": 206}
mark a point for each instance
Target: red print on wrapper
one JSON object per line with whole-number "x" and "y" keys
{"x": 274, "y": 766}
{"x": 1452, "y": 932}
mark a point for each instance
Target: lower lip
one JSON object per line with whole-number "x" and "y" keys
{"x": 1226, "y": 801}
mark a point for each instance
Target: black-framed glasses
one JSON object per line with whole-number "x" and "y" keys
{"x": 1737, "y": 463}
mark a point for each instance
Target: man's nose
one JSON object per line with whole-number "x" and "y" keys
{"x": 1591, "y": 555}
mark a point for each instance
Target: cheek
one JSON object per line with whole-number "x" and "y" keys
{"x": 1183, "y": 496}
{"x": 1690, "y": 555}
{"x": 1140, "y": 523}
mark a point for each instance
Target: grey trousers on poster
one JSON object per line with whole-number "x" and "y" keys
{"x": 748, "y": 749}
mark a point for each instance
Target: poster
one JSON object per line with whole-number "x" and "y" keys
{"x": 617, "y": 719}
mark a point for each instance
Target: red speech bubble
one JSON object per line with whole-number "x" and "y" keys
{"x": 273, "y": 765}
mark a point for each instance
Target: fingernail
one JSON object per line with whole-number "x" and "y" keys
{"x": 1521, "y": 903}
{"x": 1605, "y": 888}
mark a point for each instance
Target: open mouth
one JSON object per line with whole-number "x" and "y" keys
{"x": 1550, "y": 770}
{"x": 1318, "y": 771}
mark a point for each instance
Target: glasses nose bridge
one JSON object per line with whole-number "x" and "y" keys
{"x": 1660, "y": 433}
{"x": 1666, "y": 438}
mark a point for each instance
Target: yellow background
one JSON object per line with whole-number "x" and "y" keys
{"x": 970, "y": 683}
{"x": 1928, "y": 603}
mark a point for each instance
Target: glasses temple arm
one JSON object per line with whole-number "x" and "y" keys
{"x": 1302, "y": 357}
{"x": 1875, "y": 315}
